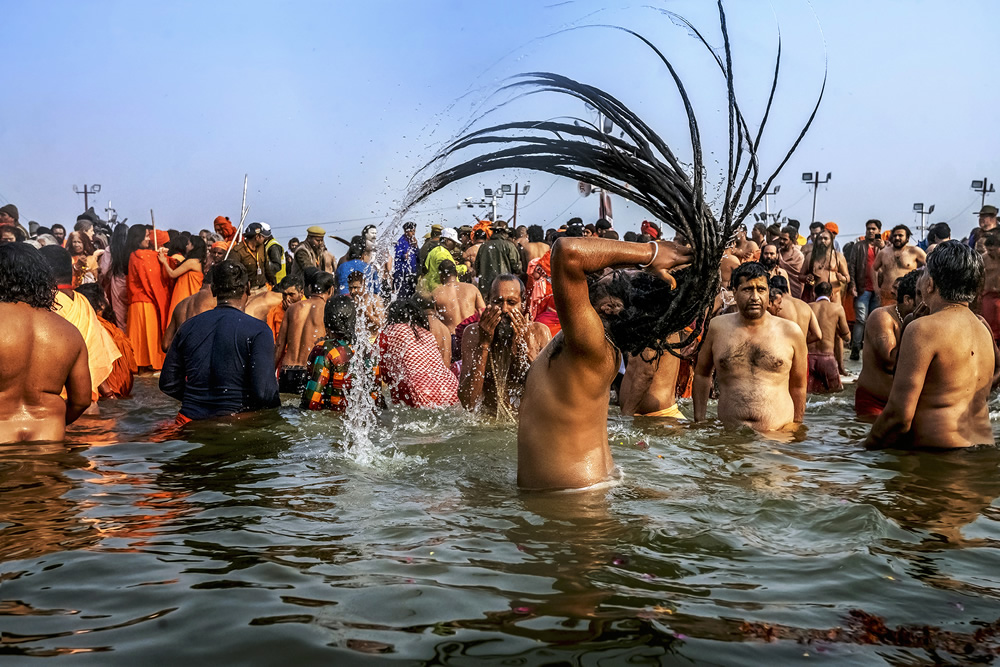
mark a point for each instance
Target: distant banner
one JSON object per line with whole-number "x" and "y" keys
{"x": 605, "y": 207}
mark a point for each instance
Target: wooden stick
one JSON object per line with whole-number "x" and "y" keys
{"x": 236, "y": 236}
{"x": 156, "y": 246}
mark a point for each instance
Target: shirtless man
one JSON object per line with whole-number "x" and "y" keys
{"x": 945, "y": 363}
{"x": 824, "y": 371}
{"x": 649, "y": 387}
{"x": 442, "y": 336}
{"x": 469, "y": 255}
{"x": 502, "y": 343}
{"x": 769, "y": 258}
{"x": 453, "y": 300}
{"x": 40, "y": 353}
{"x": 823, "y": 263}
{"x": 562, "y": 432}
{"x": 301, "y": 328}
{"x": 796, "y": 310}
{"x": 745, "y": 250}
{"x": 761, "y": 361}
{"x": 261, "y": 304}
{"x": 895, "y": 260}
{"x": 729, "y": 262}
{"x": 882, "y": 333}
{"x": 990, "y": 300}
{"x": 535, "y": 246}
{"x": 200, "y": 302}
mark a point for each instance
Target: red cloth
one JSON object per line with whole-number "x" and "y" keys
{"x": 147, "y": 283}
{"x": 547, "y": 314}
{"x": 991, "y": 312}
{"x": 416, "y": 372}
{"x": 824, "y": 374}
{"x": 648, "y": 227}
{"x": 867, "y": 404}
{"x": 460, "y": 329}
{"x": 869, "y": 262}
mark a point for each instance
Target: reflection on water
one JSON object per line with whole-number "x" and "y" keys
{"x": 261, "y": 540}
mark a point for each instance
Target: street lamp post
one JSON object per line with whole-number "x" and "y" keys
{"x": 919, "y": 208}
{"x": 85, "y": 192}
{"x": 492, "y": 195}
{"x": 767, "y": 201}
{"x": 983, "y": 186}
{"x": 513, "y": 220}
{"x": 813, "y": 180}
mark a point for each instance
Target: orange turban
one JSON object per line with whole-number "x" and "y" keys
{"x": 224, "y": 227}
{"x": 162, "y": 238}
{"x": 832, "y": 228}
{"x": 219, "y": 245}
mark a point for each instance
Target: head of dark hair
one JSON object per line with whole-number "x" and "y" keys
{"x": 407, "y": 311}
{"x": 83, "y": 225}
{"x": 42, "y": 231}
{"x": 340, "y": 318}
{"x": 536, "y": 234}
{"x": 747, "y": 271}
{"x": 591, "y": 228}
{"x": 816, "y": 225}
{"x": 574, "y": 221}
{"x": 88, "y": 245}
{"x": 357, "y": 248}
{"x": 506, "y": 278}
{"x": 760, "y": 227}
{"x": 957, "y": 271}
{"x": 25, "y": 276}
{"x": 321, "y": 283}
{"x": 479, "y": 235}
{"x": 95, "y": 295}
{"x": 941, "y": 231}
{"x": 793, "y": 223}
{"x": 355, "y": 277}
{"x": 907, "y": 285}
{"x": 177, "y": 245}
{"x": 905, "y": 229}
{"x": 229, "y": 280}
{"x": 611, "y": 235}
{"x": 119, "y": 254}
{"x": 60, "y": 226}
{"x": 199, "y": 250}
{"x": 446, "y": 269}
{"x": 551, "y": 235}
{"x": 791, "y": 231}
{"x": 294, "y": 239}
{"x": 603, "y": 223}
{"x": 991, "y": 239}
{"x": 774, "y": 229}
{"x": 136, "y": 235}
{"x": 630, "y": 237}
{"x": 823, "y": 289}
{"x": 59, "y": 261}
{"x": 873, "y": 221}
{"x": 779, "y": 283}
{"x": 290, "y": 281}
{"x": 617, "y": 286}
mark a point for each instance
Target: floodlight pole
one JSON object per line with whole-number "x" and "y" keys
{"x": 986, "y": 189}
{"x": 919, "y": 208}
{"x": 813, "y": 180}
{"x": 85, "y": 192}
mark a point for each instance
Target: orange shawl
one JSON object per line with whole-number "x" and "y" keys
{"x": 147, "y": 283}
{"x": 124, "y": 368}
{"x": 101, "y": 349}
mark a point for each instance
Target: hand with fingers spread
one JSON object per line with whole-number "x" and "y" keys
{"x": 488, "y": 323}
{"x": 667, "y": 257}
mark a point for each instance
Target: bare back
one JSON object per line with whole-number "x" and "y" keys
{"x": 261, "y": 304}
{"x": 534, "y": 250}
{"x": 200, "y": 302}
{"x": 301, "y": 328}
{"x": 832, "y": 322}
{"x": 992, "y": 265}
{"x": 798, "y": 311}
{"x": 40, "y": 353}
{"x": 650, "y": 384}
{"x": 456, "y": 302}
{"x": 881, "y": 343}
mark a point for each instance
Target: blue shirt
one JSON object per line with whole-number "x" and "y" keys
{"x": 221, "y": 362}
{"x": 359, "y": 265}
{"x": 405, "y": 259}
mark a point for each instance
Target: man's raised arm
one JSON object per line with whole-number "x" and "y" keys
{"x": 574, "y": 258}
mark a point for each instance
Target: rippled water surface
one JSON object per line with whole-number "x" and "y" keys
{"x": 264, "y": 541}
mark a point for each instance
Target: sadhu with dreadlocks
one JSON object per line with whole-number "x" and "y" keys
{"x": 562, "y": 433}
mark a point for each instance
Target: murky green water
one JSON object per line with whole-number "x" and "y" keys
{"x": 261, "y": 542}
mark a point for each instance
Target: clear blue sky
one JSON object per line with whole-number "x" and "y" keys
{"x": 330, "y": 108}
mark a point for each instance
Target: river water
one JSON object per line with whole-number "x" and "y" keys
{"x": 263, "y": 541}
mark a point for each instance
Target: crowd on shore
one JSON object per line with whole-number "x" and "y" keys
{"x": 512, "y": 321}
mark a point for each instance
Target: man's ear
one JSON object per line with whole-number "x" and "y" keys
{"x": 931, "y": 287}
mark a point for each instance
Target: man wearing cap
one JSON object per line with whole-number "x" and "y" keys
{"x": 431, "y": 240}
{"x": 987, "y": 222}
{"x": 438, "y": 254}
{"x": 311, "y": 253}
{"x": 497, "y": 257}
{"x": 9, "y": 216}
{"x": 404, "y": 272}
{"x": 250, "y": 253}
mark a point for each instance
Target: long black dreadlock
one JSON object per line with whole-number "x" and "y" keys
{"x": 640, "y": 167}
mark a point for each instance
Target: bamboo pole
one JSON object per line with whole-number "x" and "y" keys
{"x": 156, "y": 246}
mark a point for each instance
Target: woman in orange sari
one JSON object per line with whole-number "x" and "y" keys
{"x": 188, "y": 275}
{"x": 149, "y": 297}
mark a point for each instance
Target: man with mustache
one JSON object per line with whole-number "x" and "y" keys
{"x": 498, "y": 350}
{"x": 895, "y": 261}
{"x": 769, "y": 260}
{"x": 761, "y": 361}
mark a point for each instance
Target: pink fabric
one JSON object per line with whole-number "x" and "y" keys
{"x": 115, "y": 288}
{"x": 540, "y": 287}
{"x": 414, "y": 367}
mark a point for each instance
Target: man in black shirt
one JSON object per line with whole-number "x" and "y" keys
{"x": 222, "y": 361}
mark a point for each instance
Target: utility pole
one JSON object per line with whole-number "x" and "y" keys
{"x": 813, "y": 180}
{"x": 517, "y": 191}
{"x": 767, "y": 201}
{"x": 919, "y": 208}
{"x": 85, "y": 192}
{"x": 983, "y": 186}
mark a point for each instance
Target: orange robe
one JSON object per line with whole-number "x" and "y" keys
{"x": 186, "y": 285}
{"x": 124, "y": 368}
{"x": 149, "y": 298}
{"x": 224, "y": 228}
{"x": 275, "y": 317}
{"x": 101, "y": 349}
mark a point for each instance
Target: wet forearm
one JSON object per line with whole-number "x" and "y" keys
{"x": 700, "y": 390}
{"x": 590, "y": 255}
{"x": 470, "y": 389}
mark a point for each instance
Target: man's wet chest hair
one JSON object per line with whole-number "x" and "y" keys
{"x": 749, "y": 353}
